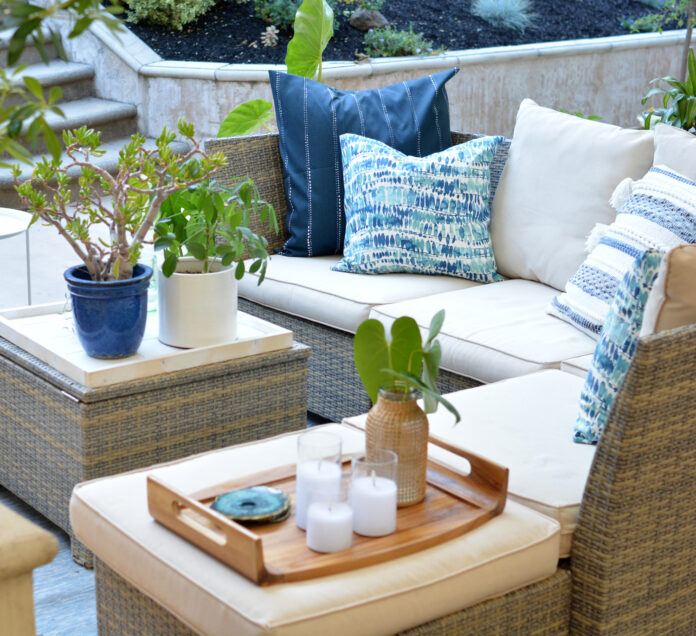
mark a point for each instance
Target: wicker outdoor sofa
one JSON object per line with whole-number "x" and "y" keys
{"x": 334, "y": 390}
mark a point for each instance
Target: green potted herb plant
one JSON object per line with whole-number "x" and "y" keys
{"x": 109, "y": 288}
{"x": 205, "y": 235}
{"x": 678, "y": 99}
{"x": 393, "y": 372}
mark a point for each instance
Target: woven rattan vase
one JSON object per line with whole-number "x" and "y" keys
{"x": 397, "y": 423}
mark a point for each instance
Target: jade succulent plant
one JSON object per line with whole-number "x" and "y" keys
{"x": 127, "y": 203}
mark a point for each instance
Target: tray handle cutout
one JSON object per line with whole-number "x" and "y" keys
{"x": 492, "y": 478}
{"x": 206, "y": 529}
{"x": 199, "y": 523}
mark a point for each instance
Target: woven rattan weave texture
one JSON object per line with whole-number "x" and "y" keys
{"x": 398, "y": 424}
{"x": 122, "y": 609}
{"x": 634, "y": 550}
{"x": 334, "y": 390}
{"x": 55, "y": 434}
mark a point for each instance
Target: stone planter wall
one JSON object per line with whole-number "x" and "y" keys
{"x": 604, "y": 76}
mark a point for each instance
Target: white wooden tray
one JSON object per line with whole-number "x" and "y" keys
{"x": 47, "y": 332}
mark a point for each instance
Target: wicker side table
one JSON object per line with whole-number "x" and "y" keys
{"x": 55, "y": 432}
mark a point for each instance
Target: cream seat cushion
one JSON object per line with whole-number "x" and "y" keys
{"x": 578, "y": 366}
{"x": 525, "y": 424}
{"x": 306, "y": 287}
{"x": 110, "y": 516}
{"x": 496, "y": 331}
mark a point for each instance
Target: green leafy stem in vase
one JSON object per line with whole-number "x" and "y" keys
{"x": 211, "y": 223}
{"x": 402, "y": 363}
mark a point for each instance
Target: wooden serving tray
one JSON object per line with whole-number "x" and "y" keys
{"x": 277, "y": 553}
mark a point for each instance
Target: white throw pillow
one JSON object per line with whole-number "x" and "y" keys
{"x": 558, "y": 179}
{"x": 676, "y": 149}
{"x": 660, "y": 214}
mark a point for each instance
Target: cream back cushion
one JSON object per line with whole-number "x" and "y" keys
{"x": 672, "y": 300}
{"x": 558, "y": 179}
{"x": 676, "y": 149}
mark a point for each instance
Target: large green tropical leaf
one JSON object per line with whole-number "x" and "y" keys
{"x": 313, "y": 30}
{"x": 405, "y": 345}
{"x": 246, "y": 118}
{"x": 435, "y": 325}
{"x": 371, "y": 355}
{"x": 691, "y": 68}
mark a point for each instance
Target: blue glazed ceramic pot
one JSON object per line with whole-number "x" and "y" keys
{"x": 110, "y": 315}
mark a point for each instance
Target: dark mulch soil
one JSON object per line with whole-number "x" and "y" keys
{"x": 227, "y": 31}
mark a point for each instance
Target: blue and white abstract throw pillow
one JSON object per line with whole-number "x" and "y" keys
{"x": 421, "y": 215}
{"x": 616, "y": 347}
{"x": 659, "y": 214}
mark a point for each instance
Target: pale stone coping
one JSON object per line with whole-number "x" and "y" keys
{"x": 141, "y": 58}
{"x": 126, "y": 45}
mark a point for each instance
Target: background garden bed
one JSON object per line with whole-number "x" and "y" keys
{"x": 230, "y": 33}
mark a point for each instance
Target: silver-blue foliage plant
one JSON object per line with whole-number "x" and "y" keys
{"x": 511, "y": 14}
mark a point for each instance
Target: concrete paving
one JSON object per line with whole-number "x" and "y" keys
{"x": 50, "y": 256}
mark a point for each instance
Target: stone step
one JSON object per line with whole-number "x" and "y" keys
{"x": 31, "y": 54}
{"x": 75, "y": 79}
{"x": 113, "y": 119}
{"x": 109, "y": 161}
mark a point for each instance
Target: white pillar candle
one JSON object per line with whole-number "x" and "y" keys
{"x": 329, "y": 526}
{"x": 315, "y": 478}
{"x": 373, "y": 500}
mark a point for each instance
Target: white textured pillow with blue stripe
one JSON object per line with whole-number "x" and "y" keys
{"x": 421, "y": 215}
{"x": 659, "y": 214}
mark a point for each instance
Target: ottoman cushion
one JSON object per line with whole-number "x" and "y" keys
{"x": 110, "y": 516}
{"x": 308, "y": 288}
{"x": 525, "y": 424}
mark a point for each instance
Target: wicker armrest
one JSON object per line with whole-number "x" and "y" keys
{"x": 258, "y": 157}
{"x": 635, "y": 542}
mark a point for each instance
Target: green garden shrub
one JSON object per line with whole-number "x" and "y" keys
{"x": 281, "y": 13}
{"x": 371, "y": 5}
{"x": 170, "y": 13}
{"x": 672, "y": 15}
{"x": 388, "y": 42}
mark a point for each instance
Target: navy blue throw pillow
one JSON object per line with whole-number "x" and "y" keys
{"x": 412, "y": 117}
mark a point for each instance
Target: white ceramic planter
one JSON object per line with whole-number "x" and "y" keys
{"x": 196, "y": 309}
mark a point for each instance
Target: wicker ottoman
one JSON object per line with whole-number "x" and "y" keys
{"x": 55, "y": 432}
{"x": 499, "y": 578}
